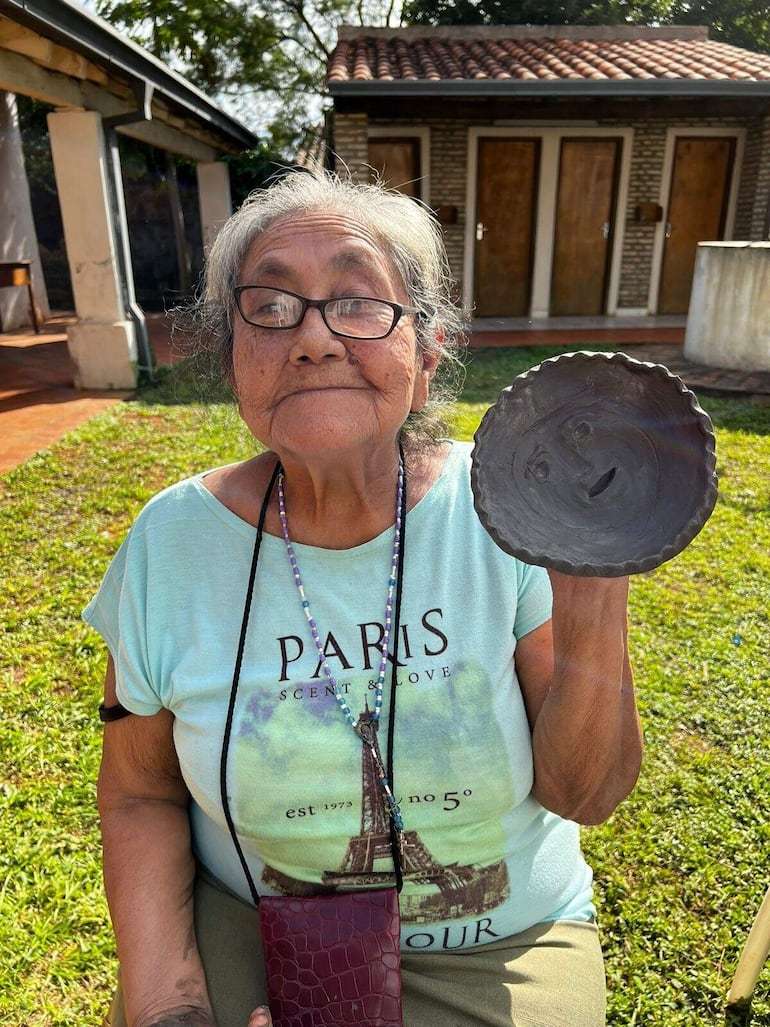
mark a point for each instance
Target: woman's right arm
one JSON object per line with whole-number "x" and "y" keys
{"x": 149, "y": 871}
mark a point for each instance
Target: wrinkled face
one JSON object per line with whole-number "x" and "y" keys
{"x": 305, "y": 391}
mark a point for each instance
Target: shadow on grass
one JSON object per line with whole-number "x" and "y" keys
{"x": 737, "y": 414}
{"x": 739, "y": 1016}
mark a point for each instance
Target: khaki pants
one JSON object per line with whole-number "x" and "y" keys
{"x": 549, "y": 976}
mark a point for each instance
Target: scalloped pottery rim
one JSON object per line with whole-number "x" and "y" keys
{"x": 594, "y": 464}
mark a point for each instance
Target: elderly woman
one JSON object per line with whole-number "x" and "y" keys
{"x": 261, "y": 616}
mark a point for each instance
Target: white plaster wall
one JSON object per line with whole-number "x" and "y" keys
{"x": 729, "y": 320}
{"x": 18, "y": 239}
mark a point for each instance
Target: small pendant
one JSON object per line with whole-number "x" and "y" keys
{"x": 365, "y": 730}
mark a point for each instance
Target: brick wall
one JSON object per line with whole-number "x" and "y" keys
{"x": 647, "y": 154}
{"x": 448, "y": 169}
{"x": 754, "y": 206}
{"x": 350, "y": 143}
{"x": 747, "y": 194}
{"x": 760, "y": 223}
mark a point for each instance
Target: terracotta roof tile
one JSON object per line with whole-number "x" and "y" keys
{"x": 400, "y": 55}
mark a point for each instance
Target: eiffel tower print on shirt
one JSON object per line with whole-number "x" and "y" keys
{"x": 435, "y": 892}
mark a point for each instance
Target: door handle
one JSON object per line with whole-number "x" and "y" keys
{"x": 606, "y": 229}
{"x": 668, "y": 229}
{"x": 481, "y": 231}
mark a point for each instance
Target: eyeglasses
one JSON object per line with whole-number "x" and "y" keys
{"x": 352, "y": 317}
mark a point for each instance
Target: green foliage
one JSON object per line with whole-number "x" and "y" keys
{"x": 515, "y": 12}
{"x": 744, "y": 23}
{"x": 250, "y": 170}
{"x": 218, "y": 45}
{"x": 680, "y": 867}
{"x": 268, "y": 58}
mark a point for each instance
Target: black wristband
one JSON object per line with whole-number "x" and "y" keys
{"x": 109, "y": 713}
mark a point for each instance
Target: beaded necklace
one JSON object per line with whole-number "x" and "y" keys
{"x": 365, "y": 728}
{"x": 388, "y": 603}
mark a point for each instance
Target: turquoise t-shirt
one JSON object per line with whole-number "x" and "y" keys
{"x": 483, "y": 860}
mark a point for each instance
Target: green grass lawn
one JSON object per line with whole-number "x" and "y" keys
{"x": 682, "y": 865}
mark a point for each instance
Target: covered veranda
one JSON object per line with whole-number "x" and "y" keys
{"x": 98, "y": 83}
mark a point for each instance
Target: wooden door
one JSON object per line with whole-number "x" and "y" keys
{"x": 504, "y": 230}
{"x": 396, "y": 162}
{"x": 585, "y": 214}
{"x": 697, "y": 211}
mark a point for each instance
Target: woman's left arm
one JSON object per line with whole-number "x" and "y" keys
{"x": 575, "y": 675}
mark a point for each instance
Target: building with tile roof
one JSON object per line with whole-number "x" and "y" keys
{"x": 574, "y": 169}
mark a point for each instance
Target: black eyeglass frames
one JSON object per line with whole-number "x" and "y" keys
{"x": 352, "y": 317}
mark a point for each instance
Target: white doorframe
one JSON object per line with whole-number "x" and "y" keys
{"x": 739, "y": 134}
{"x": 421, "y": 132}
{"x": 550, "y": 138}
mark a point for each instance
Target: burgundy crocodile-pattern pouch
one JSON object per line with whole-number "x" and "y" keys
{"x": 333, "y": 960}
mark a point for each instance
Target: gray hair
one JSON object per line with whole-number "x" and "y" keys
{"x": 410, "y": 237}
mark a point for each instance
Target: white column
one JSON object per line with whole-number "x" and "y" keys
{"x": 102, "y": 343}
{"x": 18, "y": 240}
{"x": 214, "y": 199}
{"x": 545, "y": 225}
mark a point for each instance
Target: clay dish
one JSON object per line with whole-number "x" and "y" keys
{"x": 595, "y": 464}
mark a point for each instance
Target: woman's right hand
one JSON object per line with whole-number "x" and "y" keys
{"x": 199, "y": 1018}
{"x": 260, "y": 1018}
{"x": 184, "y": 1017}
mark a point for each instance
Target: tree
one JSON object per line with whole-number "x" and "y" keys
{"x": 515, "y": 12}
{"x": 265, "y": 61}
{"x": 744, "y": 23}
{"x": 217, "y": 46}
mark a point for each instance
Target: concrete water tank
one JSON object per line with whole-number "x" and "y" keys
{"x": 728, "y": 324}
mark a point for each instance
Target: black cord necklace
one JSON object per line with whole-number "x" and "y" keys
{"x": 395, "y": 824}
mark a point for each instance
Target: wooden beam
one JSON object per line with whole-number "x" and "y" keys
{"x": 20, "y": 40}
{"x": 157, "y": 133}
{"x": 20, "y": 74}
{"x": 166, "y": 131}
